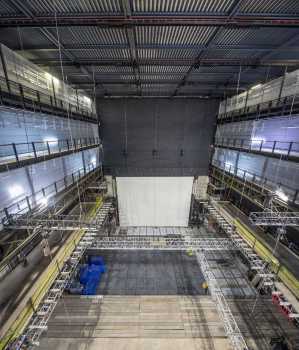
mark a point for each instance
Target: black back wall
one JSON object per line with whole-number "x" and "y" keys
{"x": 157, "y": 137}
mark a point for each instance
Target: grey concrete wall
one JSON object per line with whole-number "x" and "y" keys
{"x": 157, "y": 137}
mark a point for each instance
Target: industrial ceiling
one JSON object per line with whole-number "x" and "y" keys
{"x": 173, "y": 48}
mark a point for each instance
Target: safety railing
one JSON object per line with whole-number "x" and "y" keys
{"x": 17, "y": 152}
{"x": 41, "y": 197}
{"x": 283, "y": 106}
{"x": 15, "y": 257}
{"x": 21, "y": 96}
{"x": 289, "y": 149}
{"x": 247, "y": 176}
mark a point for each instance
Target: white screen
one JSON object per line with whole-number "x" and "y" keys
{"x": 154, "y": 201}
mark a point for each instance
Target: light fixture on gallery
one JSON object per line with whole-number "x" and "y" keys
{"x": 52, "y": 141}
{"x": 15, "y": 190}
{"x": 281, "y": 195}
{"x": 43, "y": 201}
{"x": 256, "y": 86}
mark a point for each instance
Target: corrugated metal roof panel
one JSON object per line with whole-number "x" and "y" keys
{"x": 102, "y": 54}
{"x": 174, "y": 35}
{"x": 164, "y": 69}
{"x": 6, "y": 9}
{"x": 154, "y": 77}
{"x": 113, "y": 69}
{"x": 271, "y": 6}
{"x": 255, "y": 36}
{"x": 232, "y": 54}
{"x": 91, "y": 36}
{"x": 148, "y": 54}
{"x": 75, "y": 6}
{"x": 181, "y": 6}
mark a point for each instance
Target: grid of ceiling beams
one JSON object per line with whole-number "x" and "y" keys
{"x": 156, "y": 47}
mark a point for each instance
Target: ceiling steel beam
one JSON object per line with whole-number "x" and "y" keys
{"x": 130, "y": 33}
{"x": 161, "y": 82}
{"x": 150, "y": 20}
{"x": 208, "y": 62}
{"x": 85, "y": 46}
{"x": 234, "y": 8}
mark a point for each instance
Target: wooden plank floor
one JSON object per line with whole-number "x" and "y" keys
{"x": 136, "y": 322}
{"x": 159, "y": 322}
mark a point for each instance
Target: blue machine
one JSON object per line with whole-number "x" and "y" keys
{"x": 89, "y": 276}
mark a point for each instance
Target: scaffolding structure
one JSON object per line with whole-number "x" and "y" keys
{"x": 230, "y": 325}
{"x": 161, "y": 243}
{"x": 274, "y": 218}
{"x": 262, "y": 268}
{"x": 255, "y": 262}
{"x": 144, "y": 239}
{"x": 57, "y": 222}
{"x": 38, "y": 323}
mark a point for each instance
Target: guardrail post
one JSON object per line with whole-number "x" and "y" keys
{"x": 22, "y": 95}
{"x": 38, "y": 98}
{"x": 55, "y": 186}
{"x": 273, "y": 148}
{"x": 28, "y": 203}
{"x": 51, "y": 102}
{"x": 48, "y": 147}
{"x": 261, "y": 145}
{"x": 34, "y": 150}
{"x": 7, "y": 215}
{"x": 68, "y": 145}
{"x": 15, "y": 152}
{"x": 65, "y": 182}
{"x": 290, "y": 148}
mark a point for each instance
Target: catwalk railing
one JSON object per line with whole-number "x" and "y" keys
{"x": 275, "y": 148}
{"x": 279, "y": 107}
{"x": 17, "y": 95}
{"x": 38, "y": 226}
{"x": 41, "y": 197}
{"x": 246, "y": 178}
{"x": 18, "y": 152}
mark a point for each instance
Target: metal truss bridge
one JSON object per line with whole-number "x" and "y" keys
{"x": 92, "y": 239}
{"x": 274, "y": 218}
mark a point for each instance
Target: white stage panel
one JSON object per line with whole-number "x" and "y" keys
{"x": 154, "y": 201}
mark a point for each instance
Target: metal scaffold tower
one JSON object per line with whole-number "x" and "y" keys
{"x": 38, "y": 323}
